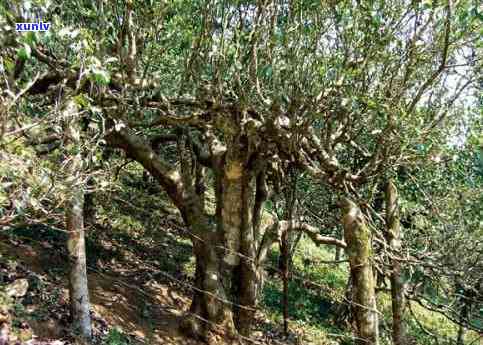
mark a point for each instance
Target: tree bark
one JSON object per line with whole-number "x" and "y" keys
{"x": 229, "y": 246}
{"x": 393, "y": 237}
{"x": 359, "y": 250}
{"x": 78, "y": 289}
{"x": 339, "y": 250}
{"x": 338, "y": 253}
{"x": 89, "y": 205}
{"x": 285, "y": 247}
{"x": 284, "y": 251}
{"x": 250, "y": 272}
{"x": 460, "y": 340}
{"x": 465, "y": 300}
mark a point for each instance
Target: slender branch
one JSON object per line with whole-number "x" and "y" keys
{"x": 313, "y": 233}
{"x": 442, "y": 65}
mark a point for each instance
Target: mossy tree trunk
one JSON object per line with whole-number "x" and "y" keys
{"x": 227, "y": 274}
{"x": 231, "y": 245}
{"x": 393, "y": 238}
{"x": 288, "y": 242}
{"x": 229, "y": 289}
{"x": 359, "y": 250}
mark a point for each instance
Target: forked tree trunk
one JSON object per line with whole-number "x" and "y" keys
{"x": 78, "y": 289}
{"x": 229, "y": 246}
{"x": 393, "y": 237}
{"x": 227, "y": 276}
{"x": 359, "y": 250}
{"x": 216, "y": 238}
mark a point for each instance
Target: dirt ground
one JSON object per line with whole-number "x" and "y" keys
{"x": 149, "y": 312}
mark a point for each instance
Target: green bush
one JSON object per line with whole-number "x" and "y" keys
{"x": 116, "y": 337}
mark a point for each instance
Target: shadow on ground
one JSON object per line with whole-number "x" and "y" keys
{"x": 122, "y": 289}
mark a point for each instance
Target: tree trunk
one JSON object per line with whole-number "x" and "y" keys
{"x": 285, "y": 276}
{"x": 78, "y": 290}
{"x": 227, "y": 276}
{"x": 230, "y": 246}
{"x": 359, "y": 250}
{"x": 461, "y": 336}
{"x": 211, "y": 308}
{"x": 250, "y": 274}
{"x": 393, "y": 237}
{"x": 285, "y": 247}
{"x": 460, "y": 340}
{"x": 338, "y": 253}
{"x": 89, "y": 205}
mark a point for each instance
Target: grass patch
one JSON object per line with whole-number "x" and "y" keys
{"x": 315, "y": 291}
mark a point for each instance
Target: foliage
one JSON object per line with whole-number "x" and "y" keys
{"x": 116, "y": 337}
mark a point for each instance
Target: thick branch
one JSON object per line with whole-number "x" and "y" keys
{"x": 313, "y": 233}
{"x": 44, "y": 140}
{"x": 174, "y": 120}
{"x": 273, "y": 232}
{"x": 160, "y": 139}
{"x": 202, "y": 154}
{"x": 139, "y": 150}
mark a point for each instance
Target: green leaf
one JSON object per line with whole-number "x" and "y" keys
{"x": 30, "y": 38}
{"x": 9, "y": 64}
{"x": 268, "y": 71}
{"x": 24, "y": 53}
{"x": 101, "y": 77}
{"x": 81, "y": 100}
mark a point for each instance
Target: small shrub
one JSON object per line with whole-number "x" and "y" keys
{"x": 116, "y": 337}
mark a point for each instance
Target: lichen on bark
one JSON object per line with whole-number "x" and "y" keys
{"x": 359, "y": 250}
